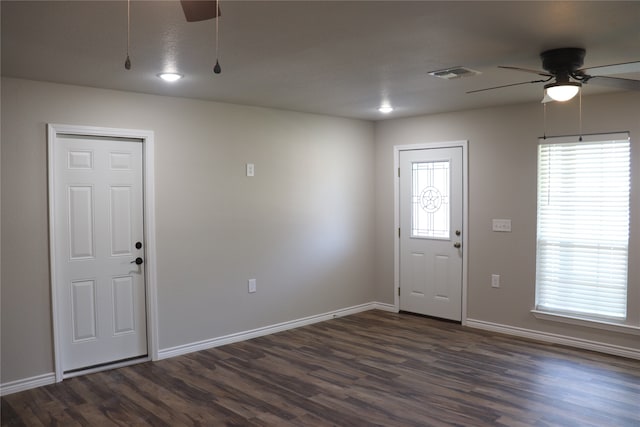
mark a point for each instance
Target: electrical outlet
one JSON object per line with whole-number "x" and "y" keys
{"x": 495, "y": 280}
{"x": 503, "y": 225}
{"x": 252, "y": 285}
{"x": 251, "y": 170}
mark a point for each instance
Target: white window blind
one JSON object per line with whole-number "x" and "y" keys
{"x": 583, "y": 226}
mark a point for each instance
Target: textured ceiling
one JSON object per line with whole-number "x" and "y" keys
{"x": 338, "y": 58}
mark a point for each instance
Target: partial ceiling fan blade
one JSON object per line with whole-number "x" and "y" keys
{"x": 199, "y": 10}
{"x": 512, "y": 84}
{"x": 607, "y": 70}
{"x": 526, "y": 70}
{"x": 615, "y": 82}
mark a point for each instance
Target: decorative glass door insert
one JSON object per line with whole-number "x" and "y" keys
{"x": 430, "y": 200}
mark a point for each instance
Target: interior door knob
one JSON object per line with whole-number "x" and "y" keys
{"x": 457, "y": 245}
{"x": 137, "y": 261}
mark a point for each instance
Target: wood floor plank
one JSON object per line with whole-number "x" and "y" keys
{"x": 371, "y": 368}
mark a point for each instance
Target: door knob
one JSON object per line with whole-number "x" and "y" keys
{"x": 137, "y": 261}
{"x": 457, "y": 245}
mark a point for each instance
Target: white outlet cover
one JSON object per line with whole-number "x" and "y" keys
{"x": 251, "y": 169}
{"x": 501, "y": 225}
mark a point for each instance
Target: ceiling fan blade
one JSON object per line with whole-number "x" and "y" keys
{"x": 512, "y": 84}
{"x": 605, "y": 70}
{"x": 615, "y": 82}
{"x": 199, "y": 10}
{"x": 526, "y": 70}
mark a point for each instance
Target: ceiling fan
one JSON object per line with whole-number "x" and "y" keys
{"x": 201, "y": 10}
{"x": 564, "y": 77}
{"x": 194, "y": 10}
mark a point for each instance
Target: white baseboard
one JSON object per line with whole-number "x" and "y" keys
{"x": 555, "y": 339}
{"x": 385, "y": 307}
{"x": 27, "y": 383}
{"x": 271, "y": 329}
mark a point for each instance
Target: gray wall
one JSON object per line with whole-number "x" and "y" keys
{"x": 303, "y": 226}
{"x": 502, "y": 184}
{"x": 315, "y": 226}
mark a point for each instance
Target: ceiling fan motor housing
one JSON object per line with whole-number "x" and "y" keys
{"x": 563, "y": 62}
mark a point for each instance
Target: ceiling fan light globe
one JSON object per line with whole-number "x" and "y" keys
{"x": 562, "y": 91}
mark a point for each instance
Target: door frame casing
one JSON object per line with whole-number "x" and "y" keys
{"x": 147, "y": 139}
{"x": 464, "y": 144}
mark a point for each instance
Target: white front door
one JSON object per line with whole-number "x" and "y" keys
{"x": 431, "y": 197}
{"x": 98, "y": 220}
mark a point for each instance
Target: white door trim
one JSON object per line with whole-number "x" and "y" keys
{"x": 146, "y": 137}
{"x": 465, "y": 214}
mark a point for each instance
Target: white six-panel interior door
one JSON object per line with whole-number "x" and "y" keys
{"x": 98, "y": 233}
{"x": 431, "y": 231}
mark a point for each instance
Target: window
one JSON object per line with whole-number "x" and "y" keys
{"x": 583, "y": 226}
{"x": 430, "y": 200}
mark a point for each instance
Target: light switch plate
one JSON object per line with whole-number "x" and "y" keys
{"x": 503, "y": 225}
{"x": 495, "y": 280}
{"x": 252, "y": 285}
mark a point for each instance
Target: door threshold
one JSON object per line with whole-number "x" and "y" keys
{"x": 105, "y": 366}
{"x": 426, "y": 316}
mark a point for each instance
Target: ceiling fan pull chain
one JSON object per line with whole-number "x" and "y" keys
{"x": 217, "y": 69}
{"x": 127, "y": 62}
{"x": 544, "y": 120}
{"x": 580, "y": 116}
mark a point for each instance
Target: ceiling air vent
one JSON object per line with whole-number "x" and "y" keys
{"x": 454, "y": 73}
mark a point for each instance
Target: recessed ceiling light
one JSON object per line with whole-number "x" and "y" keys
{"x": 170, "y": 77}
{"x": 385, "y": 109}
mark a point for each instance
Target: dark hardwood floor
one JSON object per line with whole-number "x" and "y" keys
{"x": 372, "y": 368}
